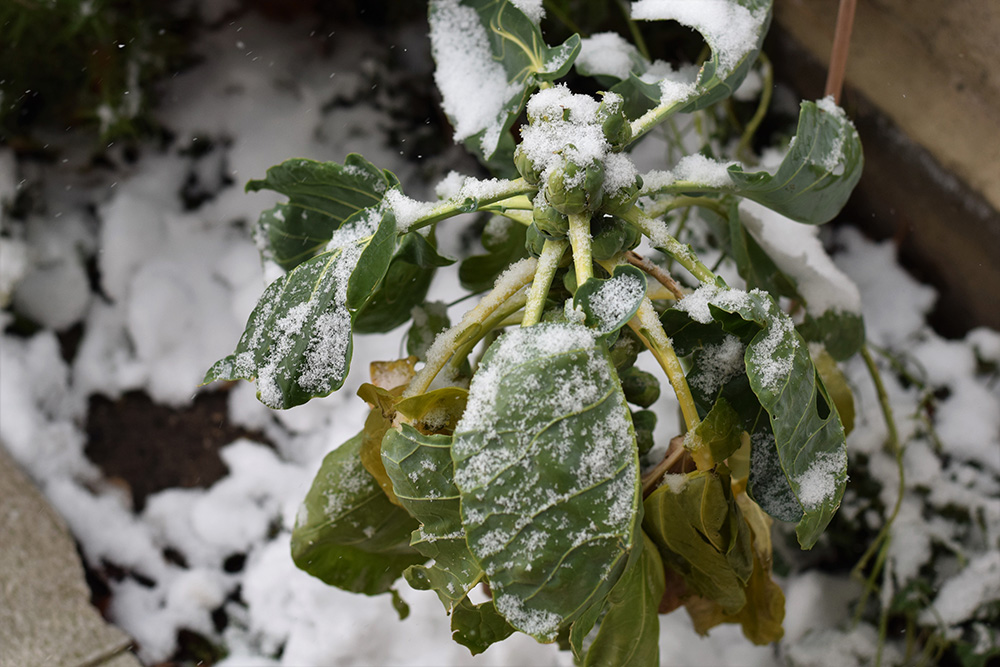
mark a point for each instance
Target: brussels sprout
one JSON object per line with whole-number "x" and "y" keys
{"x": 644, "y": 422}
{"x": 525, "y": 166}
{"x": 625, "y": 349}
{"x": 551, "y": 221}
{"x": 534, "y": 240}
{"x": 623, "y": 200}
{"x": 572, "y": 192}
{"x": 616, "y": 127}
{"x": 569, "y": 281}
{"x": 640, "y": 387}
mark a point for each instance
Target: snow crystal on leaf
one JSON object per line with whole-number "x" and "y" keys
{"x": 533, "y": 9}
{"x": 535, "y": 622}
{"x": 461, "y": 49}
{"x": 615, "y": 298}
{"x": 818, "y": 484}
{"x": 770, "y": 360}
{"x": 696, "y": 303}
{"x": 718, "y": 364}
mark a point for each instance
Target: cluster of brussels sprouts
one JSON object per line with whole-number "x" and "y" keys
{"x": 569, "y": 185}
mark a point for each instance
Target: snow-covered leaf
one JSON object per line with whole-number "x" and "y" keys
{"x": 549, "y": 486}
{"x": 348, "y": 533}
{"x": 490, "y": 56}
{"x": 609, "y": 304}
{"x": 421, "y": 471}
{"x": 321, "y": 195}
{"x": 298, "y": 341}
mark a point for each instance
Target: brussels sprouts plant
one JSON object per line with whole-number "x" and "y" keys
{"x": 514, "y": 450}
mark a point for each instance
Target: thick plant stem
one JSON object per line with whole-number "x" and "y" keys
{"x": 579, "y": 238}
{"x": 496, "y": 319}
{"x": 661, "y": 276}
{"x": 456, "y": 205}
{"x": 662, "y": 206}
{"x": 660, "y": 236}
{"x": 647, "y": 325}
{"x": 548, "y": 262}
{"x": 841, "y": 45}
{"x": 447, "y": 342}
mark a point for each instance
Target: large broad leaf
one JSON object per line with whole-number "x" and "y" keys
{"x": 421, "y": 471}
{"x": 733, "y": 29}
{"x": 404, "y": 285}
{"x": 799, "y": 463}
{"x": 490, "y": 57}
{"x": 812, "y": 184}
{"x": 321, "y": 196}
{"x": 630, "y": 630}
{"x": 298, "y": 341}
{"x": 700, "y": 533}
{"x": 549, "y": 486}
{"x": 348, "y": 533}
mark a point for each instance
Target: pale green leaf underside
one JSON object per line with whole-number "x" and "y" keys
{"x": 297, "y": 343}
{"x": 420, "y": 468}
{"x": 549, "y": 486}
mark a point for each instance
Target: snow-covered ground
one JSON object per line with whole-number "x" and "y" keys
{"x": 177, "y": 285}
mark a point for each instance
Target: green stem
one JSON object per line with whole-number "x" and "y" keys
{"x": 637, "y": 38}
{"x": 652, "y": 118}
{"x": 579, "y": 238}
{"x": 646, "y": 324}
{"x": 660, "y": 236}
{"x": 765, "y": 101}
{"x": 880, "y": 543}
{"x": 447, "y": 342}
{"x": 456, "y": 205}
{"x": 552, "y": 253}
{"x": 661, "y": 207}
{"x": 496, "y": 319}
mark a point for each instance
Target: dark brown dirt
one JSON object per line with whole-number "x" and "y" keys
{"x": 150, "y": 447}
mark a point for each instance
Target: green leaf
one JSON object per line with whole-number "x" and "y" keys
{"x": 493, "y": 48}
{"x": 403, "y": 287}
{"x": 421, "y": 471}
{"x": 818, "y": 174}
{"x": 609, "y": 304}
{"x": 550, "y": 486}
{"x": 477, "y": 627}
{"x": 437, "y": 410}
{"x": 630, "y": 631}
{"x": 348, "y": 533}
{"x": 720, "y": 430}
{"x": 718, "y": 77}
{"x": 322, "y": 195}
{"x": 753, "y": 263}
{"x": 700, "y": 533}
{"x": 836, "y": 384}
{"x": 297, "y": 343}
{"x": 809, "y": 441}
{"x": 504, "y": 243}
{"x": 842, "y": 333}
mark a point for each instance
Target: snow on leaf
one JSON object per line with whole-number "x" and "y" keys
{"x": 549, "y": 486}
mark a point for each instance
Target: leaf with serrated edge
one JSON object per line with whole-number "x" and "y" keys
{"x": 298, "y": 341}
{"x": 348, "y": 533}
{"x": 550, "y": 487}
{"x": 492, "y": 47}
{"x": 630, "y": 630}
{"x": 420, "y": 468}
{"x": 321, "y": 196}
{"x": 808, "y": 438}
{"x": 609, "y": 304}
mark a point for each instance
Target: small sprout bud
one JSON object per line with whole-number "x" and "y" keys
{"x": 622, "y": 200}
{"x": 615, "y": 125}
{"x": 644, "y": 422}
{"x": 525, "y": 167}
{"x": 641, "y": 388}
{"x": 573, "y": 189}
{"x": 551, "y": 221}
{"x": 612, "y": 236}
{"x": 534, "y": 240}
{"x": 625, "y": 349}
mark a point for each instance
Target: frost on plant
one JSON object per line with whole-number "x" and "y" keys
{"x": 516, "y": 449}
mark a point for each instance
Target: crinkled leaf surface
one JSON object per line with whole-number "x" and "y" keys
{"x": 298, "y": 341}
{"x": 799, "y": 464}
{"x": 549, "y": 486}
{"x": 630, "y": 630}
{"x": 699, "y": 531}
{"x": 421, "y": 471}
{"x": 490, "y": 47}
{"x": 477, "y": 627}
{"x": 348, "y": 533}
{"x": 818, "y": 174}
{"x": 321, "y": 196}
{"x": 609, "y": 304}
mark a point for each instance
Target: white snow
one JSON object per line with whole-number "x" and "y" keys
{"x": 607, "y": 53}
